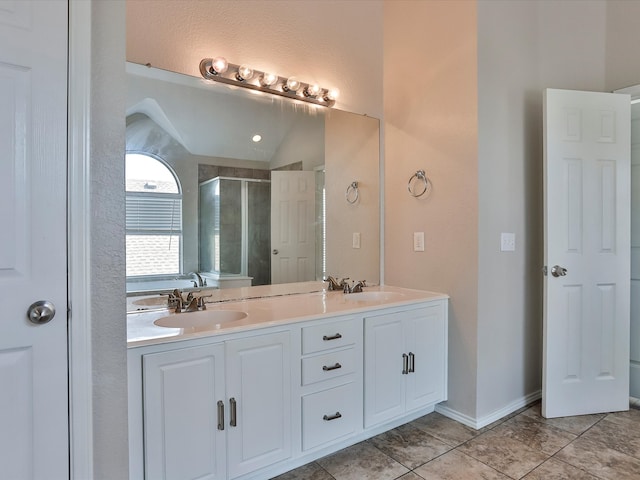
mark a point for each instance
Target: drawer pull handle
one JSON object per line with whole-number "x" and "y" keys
{"x": 332, "y": 337}
{"x": 220, "y": 415}
{"x": 332, "y": 367}
{"x": 405, "y": 364}
{"x": 328, "y": 418}
{"x": 412, "y": 362}
{"x": 233, "y": 422}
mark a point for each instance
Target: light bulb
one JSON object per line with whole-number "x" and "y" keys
{"x": 245, "y": 72}
{"x": 256, "y": 138}
{"x": 332, "y": 94}
{"x": 292, "y": 84}
{"x": 219, "y": 65}
{"x": 312, "y": 91}
{"x": 268, "y": 79}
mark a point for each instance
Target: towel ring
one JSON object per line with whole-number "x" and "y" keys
{"x": 352, "y": 194}
{"x": 418, "y": 192}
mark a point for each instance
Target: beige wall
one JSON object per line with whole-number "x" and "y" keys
{"x": 351, "y": 149}
{"x": 430, "y": 108}
{"x": 333, "y": 42}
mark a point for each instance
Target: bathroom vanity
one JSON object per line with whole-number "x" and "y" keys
{"x": 249, "y": 389}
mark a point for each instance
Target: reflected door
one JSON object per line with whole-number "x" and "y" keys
{"x": 586, "y": 222}
{"x": 293, "y": 243}
{"x": 34, "y": 440}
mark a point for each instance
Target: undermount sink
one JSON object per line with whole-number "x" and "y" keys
{"x": 202, "y": 320}
{"x": 373, "y": 296}
{"x": 151, "y": 301}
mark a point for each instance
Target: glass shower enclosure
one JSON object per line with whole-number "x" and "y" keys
{"x": 235, "y": 228}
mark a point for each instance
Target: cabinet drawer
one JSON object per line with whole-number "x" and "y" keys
{"x": 330, "y": 415}
{"x": 328, "y": 365}
{"x": 330, "y": 335}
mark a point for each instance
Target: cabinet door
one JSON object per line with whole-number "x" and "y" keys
{"x": 384, "y": 395}
{"x": 259, "y": 383}
{"x": 181, "y": 391}
{"x": 425, "y": 340}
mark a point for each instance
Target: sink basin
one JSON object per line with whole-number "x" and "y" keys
{"x": 202, "y": 320}
{"x": 151, "y": 301}
{"x": 373, "y": 296}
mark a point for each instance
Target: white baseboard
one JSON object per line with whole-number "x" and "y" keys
{"x": 478, "y": 423}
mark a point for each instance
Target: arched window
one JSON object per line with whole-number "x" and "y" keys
{"x": 153, "y": 217}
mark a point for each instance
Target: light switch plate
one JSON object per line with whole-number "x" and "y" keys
{"x": 508, "y": 242}
{"x": 418, "y": 241}
{"x": 356, "y": 240}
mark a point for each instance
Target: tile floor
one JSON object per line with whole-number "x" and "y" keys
{"x": 521, "y": 445}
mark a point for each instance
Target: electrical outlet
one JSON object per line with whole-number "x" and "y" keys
{"x": 355, "y": 243}
{"x": 508, "y": 242}
{"x": 418, "y": 241}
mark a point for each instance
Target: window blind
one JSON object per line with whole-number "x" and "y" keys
{"x": 153, "y": 214}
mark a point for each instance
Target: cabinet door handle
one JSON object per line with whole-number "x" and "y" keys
{"x": 405, "y": 363}
{"x": 332, "y": 337}
{"x": 220, "y": 415}
{"x": 233, "y": 422}
{"x": 332, "y": 367}
{"x": 335, "y": 416}
{"x": 412, "y": 362}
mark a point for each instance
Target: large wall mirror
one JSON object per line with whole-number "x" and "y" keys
{"x": 244, "y": 189}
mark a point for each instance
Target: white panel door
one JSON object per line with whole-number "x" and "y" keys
{"x": 587, "y": 231}
{"x": 635, "y": 252}
{"x": 259, "y": 401}
{"x": 34, "y": 440}
{"x": 293, "y": 243}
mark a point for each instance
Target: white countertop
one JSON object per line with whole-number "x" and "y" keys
{"x": 268, "y": 311}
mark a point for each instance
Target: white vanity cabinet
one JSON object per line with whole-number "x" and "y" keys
{"x": 217, "y": 411}
{"x": 331, "y": 381}
{"x": 252, "y": 403}
{"x": 405, "y": 361}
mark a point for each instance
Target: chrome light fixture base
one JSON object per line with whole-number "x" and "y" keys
{"x": 231, "y": 77}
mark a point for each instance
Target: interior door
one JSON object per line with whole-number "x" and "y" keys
{"x": 586, "y": 238}
{"x": 33, "y": 136}
{"x": 293, "y": 243}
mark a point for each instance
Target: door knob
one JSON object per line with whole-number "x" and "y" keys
{"x": 558, "y": 271}
{"x": 41, "y": 312}
{"x": 275, "y": 251}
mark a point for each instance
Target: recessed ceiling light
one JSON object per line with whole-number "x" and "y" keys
{"x": 256, "y": 138}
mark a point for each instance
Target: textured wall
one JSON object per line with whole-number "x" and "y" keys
{"x": 108, "y": 310}
{"x": 430, "y": 99}
{"x": 332, "y": 42}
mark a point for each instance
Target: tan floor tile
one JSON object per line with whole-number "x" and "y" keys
{"x": 554, "y": 469}
{"x": 575, "y": 425}
{"x": 409, "y": 445}
{"x": 362, "y": 462}
{"x": 539, "y": 436}
{"x": 449, "y": 431}
{"x": 505, "y": 454}
{"x": 410, "y": 476}
{"x": 596, "y": 458}
{"x": 455, "y": 465}
{"x": 623, "y": 436}
{"x": 310, "y": 471}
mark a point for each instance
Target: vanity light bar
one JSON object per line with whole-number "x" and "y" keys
{"x": 219, "y": 70}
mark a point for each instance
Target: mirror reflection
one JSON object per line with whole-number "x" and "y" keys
{"x": 225, "y": 188}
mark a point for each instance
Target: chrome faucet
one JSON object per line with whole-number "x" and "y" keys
{"x": 333, "y": 283}
{"x": 201, "y": 282}
{"x": 357, "y": 288}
